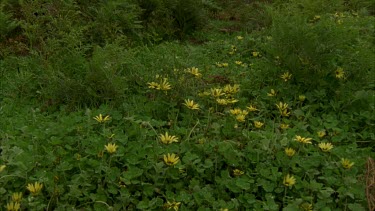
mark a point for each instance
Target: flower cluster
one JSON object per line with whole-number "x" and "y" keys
{"x": 239, "y": 114}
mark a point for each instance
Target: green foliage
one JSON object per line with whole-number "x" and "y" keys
{"x": 7, "y": 24}
{"x": 312, "y": 45}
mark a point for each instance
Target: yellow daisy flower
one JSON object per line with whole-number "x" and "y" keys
{"x": 215, "y": 92}
{"x": 255, "y": 54}
{"x": 301, "y": 98}
{"x": 346, "y": 163}
{"x": 171, "y": 159}
{"x": 164, "y": 85}
{"x": 222, "y": 101}
{"x": 172, "y": 205}
{"x": 290, "y": 151}
{"x": 17, "y": 197}
{"x": 258, "y": 124}
{"x": 235, "y": 111}
{"x": 306, "y": 207}
{"x": 167, "y": 139}
{"x": 325, "y": 147}
{"x": 240, "y": 118}
{"x": 111, "y": 148}
{"x": 339, "y": 73}
{"x": 237, "y": 172}
{"x": 284, "y": 126}
{"x": 194, "y": 71}
{"x": 191, "y": 105}
{"x": 289, "y": 180}
{"x": 34, "y": 188}
{"x": 272, "y": 93}
{"x": 252, "y": 108}
{"x": 13, "y": 206}
{"x": 238, "y": 62}
{"x": 321, "y": 133}
{"x": 100, "y": 118}
{"x": 228, "y": 89}
{"x": 286, "y": 76}
{"x": 303, "y": 140}
{"x": 153, "y": 85}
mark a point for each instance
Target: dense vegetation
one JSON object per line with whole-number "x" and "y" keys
{"x": 187, "y": 105}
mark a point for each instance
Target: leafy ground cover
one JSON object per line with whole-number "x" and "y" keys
{"x": 265, "y": 110}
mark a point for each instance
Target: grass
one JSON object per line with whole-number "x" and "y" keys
{"x": 221, "y": 120}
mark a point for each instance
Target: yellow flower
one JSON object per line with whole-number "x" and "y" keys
{"x": 255, "y": 53}
{"x": 194, "y": 71}
{"x": 252, "y": 108}
{"x": 167, "y": 139}
{"x": 2, "y": 167}
{"x": 239, "y": 37}
{"x": 302, "y": 98}
{"x": 100, "y": 118}
{"x": 34, "y": 188}
{"x": 339, "y": 73}
{"x": 219, "y": 64}
{"x": 272, "y": 93}
{"x": 284, "y": 126}
{"x": 282, "y": 106}
{"x": 235, "y": 111}
{"x": 306, "y": 207}
{"x": 231, "y": 101}
{"x": 171, "y": 159}
{"x": 215, "y": 92}
{"x": 16, "y": 197}
{"x": 237, "y": 172}
{"x": 289, "y": 180}
{"x": 346, "y": 163}
{"x": 172, "y": 205}
{"x": 13, "y": 206}
{"x": 321, "y": 133}
{"x": 238, "y": 62}
{"x": 164, "y": 85}
{"x": 258, "y": 124}
{"x": 111, "y": 148}
{"x": 283, "y": 109}
{"x": 153, "y": 85}
{"x": 224, "y": 64}
{"x": 303, "y": 140}
{"x": 290, "y": 151}
{"x": 222, "y": 101}
{"x": 285, "y": 113}
{"x": 228, "y": 89}
{"x": 204, "y": 94}
{"x": 286, "y": 76}
{"x": 191, "y": 105}
{"x": 240, "y": 118}
{"x": 325, "y": 147}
